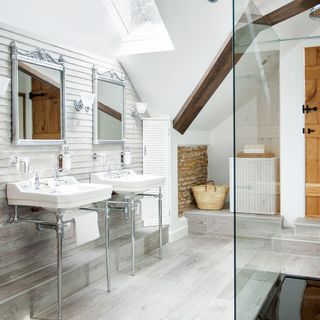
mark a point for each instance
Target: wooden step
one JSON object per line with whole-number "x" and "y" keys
{"x": 27, "y": 296}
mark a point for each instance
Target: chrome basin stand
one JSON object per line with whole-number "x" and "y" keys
{"x": 130, "y": 204}
{"x": 59, "y": 228}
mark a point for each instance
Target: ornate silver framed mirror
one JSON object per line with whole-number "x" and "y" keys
{"x": 109, "y": 106}
{"x": 38, "y": 97}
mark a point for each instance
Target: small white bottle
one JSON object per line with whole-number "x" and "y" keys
{"x": 66, "y": 158}
{"x": 127, "y": 159}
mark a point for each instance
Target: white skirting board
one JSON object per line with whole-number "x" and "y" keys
{"x": 256, "y": 185}
{"x": 179, "y": 230}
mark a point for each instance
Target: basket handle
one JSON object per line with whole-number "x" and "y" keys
{"x": 210, "y": 182}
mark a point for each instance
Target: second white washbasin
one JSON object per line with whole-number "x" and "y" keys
{"x": 129, "y": 182}
{"x": 69, "y": 194}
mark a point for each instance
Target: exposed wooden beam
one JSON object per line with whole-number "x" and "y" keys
{"x": 222, "y": 63}
{"x": 25, "y": 68}
{"x": 111, "y": 112}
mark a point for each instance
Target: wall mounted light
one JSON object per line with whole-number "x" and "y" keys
{"x": 85, "y": 102}
{"x": 4, "y": 83}
{"x": 140, "y": 110}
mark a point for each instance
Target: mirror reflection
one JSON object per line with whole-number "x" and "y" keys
{"x": 39, "y": 92}
{"x": 110, "y": 105}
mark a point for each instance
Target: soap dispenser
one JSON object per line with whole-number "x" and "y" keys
{"x": 66, "y": 158}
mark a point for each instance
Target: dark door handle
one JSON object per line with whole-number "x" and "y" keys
{"x": 308, "y": 130}
{"x": 307, "y": 109}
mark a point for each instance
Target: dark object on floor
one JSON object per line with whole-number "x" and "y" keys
{"x": 297, "y": 298}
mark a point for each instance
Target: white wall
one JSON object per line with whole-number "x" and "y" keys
{"x": 43, "y": 159}
{"x": 292, "y": 145}
{"x": 78, "y": 124}
{"x": 219, "y": 151}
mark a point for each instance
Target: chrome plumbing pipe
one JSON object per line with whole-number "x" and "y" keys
{"x": 133, "y": 235}
{"x": 107, "y": 241}
{"x": 59, "y": 233}
{"x": 160, "y": 222}
{"x": 15, "y": 217}
{"x": 159, "y": 196}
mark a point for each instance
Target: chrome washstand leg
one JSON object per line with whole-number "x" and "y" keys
{"x": 160, "y": 222}
{"x": 12, "y": 218}
{"x": 59, "y": 232}
{"x": 107, "y": 239}
{"x": 133, "y": 234}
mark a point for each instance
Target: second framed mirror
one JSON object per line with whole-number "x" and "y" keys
{"x": 109, "y": 107}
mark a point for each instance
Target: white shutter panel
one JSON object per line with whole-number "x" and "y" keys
{"x": 156, "y": 146}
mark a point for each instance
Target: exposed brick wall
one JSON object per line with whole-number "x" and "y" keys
{"x": 192, "y": 170}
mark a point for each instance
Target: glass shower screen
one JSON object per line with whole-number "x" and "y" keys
{"x": 255, "y": 195}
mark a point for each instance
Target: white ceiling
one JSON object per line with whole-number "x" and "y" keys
{"x": 164, "y": 79}
{"x": 84, "y": 24}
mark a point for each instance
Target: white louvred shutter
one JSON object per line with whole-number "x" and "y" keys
{"x": 156, "y": 147}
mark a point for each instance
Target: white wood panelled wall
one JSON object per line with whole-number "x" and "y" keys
{"x": 43, "y": 158}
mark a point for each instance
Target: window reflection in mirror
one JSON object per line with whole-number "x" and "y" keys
{"x": 110, "y": 100}
{"x": 39, "y": 91}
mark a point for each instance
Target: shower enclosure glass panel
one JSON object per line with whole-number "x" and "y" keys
{"x": 254, "y": 168}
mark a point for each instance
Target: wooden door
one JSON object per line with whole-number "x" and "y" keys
{"x": 312, "y": 130}
{"x": 45, "y": 110}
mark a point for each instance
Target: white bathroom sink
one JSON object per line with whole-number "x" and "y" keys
{"x": 69, "y": 194}
{"x": 129, "y": 182}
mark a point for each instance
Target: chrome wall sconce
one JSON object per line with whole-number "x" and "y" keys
{"x": 4, "y": 84}
{"x": 140, "y": 110}
{"x": 85, "y": 102}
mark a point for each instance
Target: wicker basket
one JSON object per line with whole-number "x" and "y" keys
{"x": 210, "y": 196}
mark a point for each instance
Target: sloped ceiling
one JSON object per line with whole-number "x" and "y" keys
{"x": 197, "y": 29}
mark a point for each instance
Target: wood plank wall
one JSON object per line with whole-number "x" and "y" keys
{"x": 22, "y": 248}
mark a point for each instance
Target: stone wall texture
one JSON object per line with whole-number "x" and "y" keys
{"x": 192, "y": 170}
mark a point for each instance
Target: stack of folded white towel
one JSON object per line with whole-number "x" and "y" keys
{"x": 256, "y": 148}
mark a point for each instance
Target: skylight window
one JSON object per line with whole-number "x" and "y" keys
{"x": 143, "y": 28}
{"x": 137, "y": 13}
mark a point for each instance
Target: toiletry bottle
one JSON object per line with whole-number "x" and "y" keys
{"x": 127, "y": 156}
{"x": 66, "y": 158}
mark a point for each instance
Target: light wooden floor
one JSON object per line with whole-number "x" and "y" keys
{"x": 194, "y": 281}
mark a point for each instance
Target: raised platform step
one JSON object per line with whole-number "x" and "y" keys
{"x": 296, "y": 244}
{"x": 307, "y": 227}
{"x": 221, "y": 223}
{"x": 27, "y": 296}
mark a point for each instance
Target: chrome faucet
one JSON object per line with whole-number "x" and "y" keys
{"x": 58, "y": 170}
